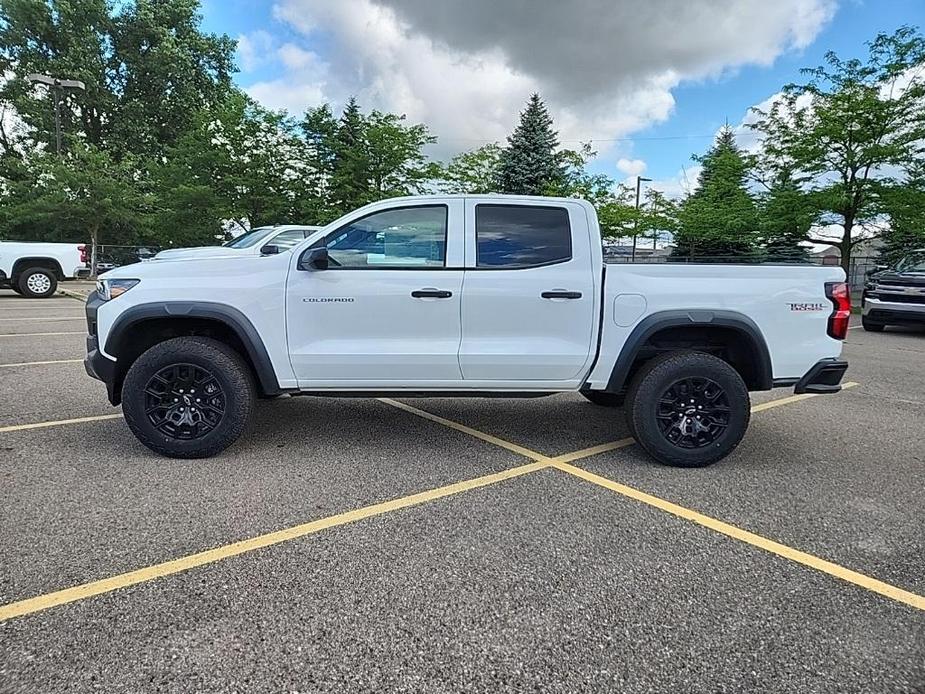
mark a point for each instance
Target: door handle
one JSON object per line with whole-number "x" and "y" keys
{"x": 561, "y": 294}
{"x": 430, "y": 293}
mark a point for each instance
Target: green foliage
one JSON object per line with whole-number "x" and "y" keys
{"x": 841, "y": 132}
{"x": 474, "y": 172}
{"x": 720, "y": 219}
{"x": 147, "y": 66}
{"x": 240, "y": 163}
{"x": 369, "y": 157}
{"x": 786, "y": 214}
{"x": 86, "y": 197}
{"x": 905, "y": 206}
{"x": 658, "y": 217}
{"x": 530, "y": 164}
{"x": 397, "y": 165}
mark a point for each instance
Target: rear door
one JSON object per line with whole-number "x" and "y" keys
{"x": 386, "y": 313}
{"x": 528, "y": 310}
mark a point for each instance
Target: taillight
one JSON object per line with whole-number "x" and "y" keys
{"x": 840, "y": 296}
{"x": 83, "y": 254}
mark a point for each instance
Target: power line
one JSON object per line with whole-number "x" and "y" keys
{"x": 590, "y": 139}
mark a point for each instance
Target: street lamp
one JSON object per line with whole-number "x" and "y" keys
{"x": 56, "y": 85}
{"x": 639, "y": 180}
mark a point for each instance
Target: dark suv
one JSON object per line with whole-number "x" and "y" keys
{"x": 896, "y": 296}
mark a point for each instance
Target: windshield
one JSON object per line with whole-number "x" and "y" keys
{"x": 914, "y": 262}
{"x": 251, "y": 238}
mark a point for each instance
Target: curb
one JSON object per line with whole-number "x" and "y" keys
{"x": 73, "y": 295}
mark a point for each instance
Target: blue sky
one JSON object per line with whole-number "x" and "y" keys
{"x": 651, "y": 104}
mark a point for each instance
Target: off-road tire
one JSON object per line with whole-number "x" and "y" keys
{"x": 655, "y": 379}
{"x": 229, "y": 370}
{"x": 37, "y": 283}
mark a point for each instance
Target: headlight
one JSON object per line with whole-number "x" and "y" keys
{"x": 110, "y": 289}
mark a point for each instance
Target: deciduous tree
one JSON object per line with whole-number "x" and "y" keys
{"x": 849, "y": 132}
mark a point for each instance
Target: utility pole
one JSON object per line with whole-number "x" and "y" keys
{"x": 56, "y": 85}
{"x": 639, "y": 180}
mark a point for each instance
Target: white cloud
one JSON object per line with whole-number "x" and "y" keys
{"x": 631, "y": 167}
{"x": 254, "y": 50}
{"x": 606, "y": 68}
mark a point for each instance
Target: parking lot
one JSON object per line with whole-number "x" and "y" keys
{"x": 458, "y": 545}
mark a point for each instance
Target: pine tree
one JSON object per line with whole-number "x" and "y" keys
{"x": 786, "y": 216}
{"x": 530, "y": 164}
{"x": 719, "y": 220}
{"x": 350, "y": 183}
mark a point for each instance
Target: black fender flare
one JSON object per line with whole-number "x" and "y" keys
{"x": 705, "y": 318}
{"x": 230, "y": 316}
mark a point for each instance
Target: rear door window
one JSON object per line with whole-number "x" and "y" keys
{"x": 521, "y": 236}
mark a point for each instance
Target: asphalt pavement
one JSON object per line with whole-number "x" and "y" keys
{"x": 351, "y": 545}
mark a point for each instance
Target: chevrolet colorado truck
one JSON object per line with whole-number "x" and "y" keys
{"x": 462, "y": 296}
{"x": 895, "y": 296}
{"x": 34, "y": 269}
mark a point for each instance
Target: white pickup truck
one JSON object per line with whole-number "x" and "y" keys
{"x": 462, "y": 296}
{"x": 34, "y": 269}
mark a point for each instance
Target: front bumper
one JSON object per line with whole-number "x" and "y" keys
{"x": 824, "y": 378}
{"x": 95, "y": 363}
{"x": 892, "y": 312}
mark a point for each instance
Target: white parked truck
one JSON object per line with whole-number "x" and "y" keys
{"x": 462, "y": 296}
{"x": 34, "y": 269}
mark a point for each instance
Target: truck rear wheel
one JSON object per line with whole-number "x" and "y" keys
{"x": 688, "y": 409}
{"x": 188, "y": 397}
{"x": 37, "y": 283}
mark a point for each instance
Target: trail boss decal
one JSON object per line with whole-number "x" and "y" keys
{"x": 806, "y": 307}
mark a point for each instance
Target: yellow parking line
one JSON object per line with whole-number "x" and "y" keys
{"x": 40, "y": 363}
{"x": 167, "y": 568}
{"x": 519, "y": 450}
{"x": 58, "y": 423}
{"x": 795, "y": 555}
{"x": 794, "y": 398}
{"x": 79, "y": 332}
{"x": 562, "y": 463}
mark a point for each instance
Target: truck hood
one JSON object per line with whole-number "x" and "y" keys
{"x": 197, "y": 252}
{"x": 906, "y": 279}
{"x": 187, "y": 266}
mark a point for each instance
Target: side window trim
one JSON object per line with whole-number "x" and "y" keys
{"x": 323, "y": 241}
{"x": 558, "y": 261}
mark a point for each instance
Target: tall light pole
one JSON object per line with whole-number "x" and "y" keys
{"x": 57, "y": 86}
{"x": 639, "y": 180}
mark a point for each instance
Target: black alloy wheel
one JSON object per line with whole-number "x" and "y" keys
{"x": 184, "y": 401}
{"x": 693, "y": 412}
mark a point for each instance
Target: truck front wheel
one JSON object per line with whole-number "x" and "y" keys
{"x": 688, "y": 409}
{"x": 188, "y": 397}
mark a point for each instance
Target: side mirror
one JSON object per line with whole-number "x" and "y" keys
{"x": 269, "y": 249}
{"x": 314, "y": 259}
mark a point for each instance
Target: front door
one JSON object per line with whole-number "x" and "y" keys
{"x": 386, "y": 311}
